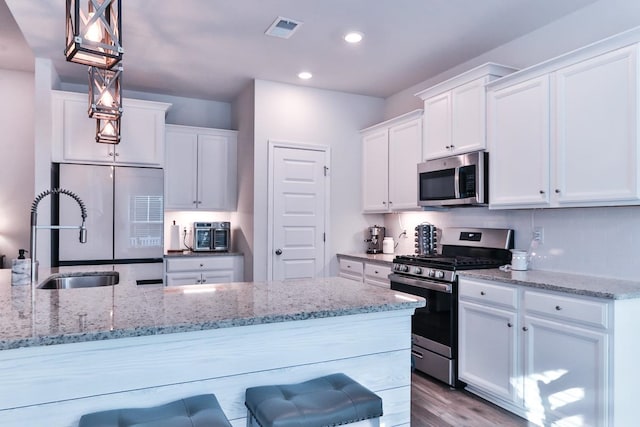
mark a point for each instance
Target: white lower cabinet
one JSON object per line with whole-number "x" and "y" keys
{"x": 353, "y": 270}
{"x": 543, "y": 355}
{"x": 365, "y": 272}
{"x": 203, "y": 270}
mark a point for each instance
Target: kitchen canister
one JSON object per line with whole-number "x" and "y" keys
{"x": 519, "y": 260}
{"x": 388, "y": 245}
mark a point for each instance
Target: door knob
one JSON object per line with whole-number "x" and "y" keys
{"x": 278, "y": 251}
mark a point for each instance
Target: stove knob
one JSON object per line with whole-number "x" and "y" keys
{"x": 417, "y": 270}
{"x": 405, "y": 268}
{"x": 432, "y": 273}
{"x": 439, "y": 274}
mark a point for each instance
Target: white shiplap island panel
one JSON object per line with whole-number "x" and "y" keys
{"x": 55, "y": 384}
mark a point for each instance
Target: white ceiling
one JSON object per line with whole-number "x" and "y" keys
{"x": 211, "y": 49}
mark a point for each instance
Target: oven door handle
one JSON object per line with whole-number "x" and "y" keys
{"x": 456, "y": 183}
{"x": 422, "y": 283}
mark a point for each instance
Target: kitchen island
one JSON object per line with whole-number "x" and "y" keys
{"x": 64, "y": 353}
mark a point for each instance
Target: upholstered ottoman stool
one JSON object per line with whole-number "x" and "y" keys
{"x": 195, "y": 411}
{"x": 326, "y": 401}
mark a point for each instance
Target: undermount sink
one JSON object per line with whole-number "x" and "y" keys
{"x": 81, "y": 280}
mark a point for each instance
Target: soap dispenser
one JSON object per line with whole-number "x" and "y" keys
{"x": 21, "y": 269}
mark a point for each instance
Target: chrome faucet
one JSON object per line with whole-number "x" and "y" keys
{"x": 35, "y": 226}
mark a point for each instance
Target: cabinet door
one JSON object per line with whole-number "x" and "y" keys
{"x": 437, "y": 126}
{"x": 74, "y": 133}
{"x": 488, "y": 350}
{"x": 565, "y": 378}
{"x": 180, "y": 177}
{"x": 468, "y": 105}
{"x": 405, "y": 152}
{"x": 141, "y": 135}
{"x": 216, "y": 172}
{"x": 182, "y": 278}
{"x": 217, "y": 276}
{"x": 375, "y": 171}
{"x": 518, "y": 133}
{"x": 596, "y": 130}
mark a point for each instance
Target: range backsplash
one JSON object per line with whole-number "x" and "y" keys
{"x": 595, "y": 241}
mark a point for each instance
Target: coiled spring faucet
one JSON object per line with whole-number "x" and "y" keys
{"x": 35, "y": 226}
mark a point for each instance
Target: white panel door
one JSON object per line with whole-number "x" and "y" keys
{"x": 375, "y": 171}
{"x": 468, "y": 117}
{"x": 596, "y": 131}
{"x": 437, "y": 126}
{"x": 405, "y": 152}
{"x": 94, "y": 185}
{"x": 298, "y": 198}
{"x": 518, "y": 134}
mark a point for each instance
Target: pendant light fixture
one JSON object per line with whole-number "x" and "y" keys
{"x": 105, "y": 99}
{"x": 94, "y": 33}
{"x": 108, "y": 131}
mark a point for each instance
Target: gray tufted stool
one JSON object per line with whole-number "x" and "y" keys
{"x": 195, "y": 411}
{"x": 326, "y": 401}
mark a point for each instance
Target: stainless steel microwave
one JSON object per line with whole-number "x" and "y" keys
{"x": 460, "y": 180}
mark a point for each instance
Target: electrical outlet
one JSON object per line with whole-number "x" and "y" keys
{"x": 538, "y": 235}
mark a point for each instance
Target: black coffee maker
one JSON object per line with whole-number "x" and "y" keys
{"x": 374, "y": 240}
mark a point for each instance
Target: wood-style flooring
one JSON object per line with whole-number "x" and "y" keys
{"x": 435, "y": 404}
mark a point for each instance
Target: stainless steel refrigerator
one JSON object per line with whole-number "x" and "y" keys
{"x": 125, "y": 215}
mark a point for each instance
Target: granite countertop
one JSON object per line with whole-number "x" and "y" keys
{"x": 176, "y": 254}
{"x": 600, "y": 287}
{"x": 386, "y": 259}
{"x": 46, "y": 317}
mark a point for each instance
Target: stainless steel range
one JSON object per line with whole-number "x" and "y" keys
{"x": 434, "y": 277}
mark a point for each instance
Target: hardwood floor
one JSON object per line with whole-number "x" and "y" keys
{"x": 435, "y": 404}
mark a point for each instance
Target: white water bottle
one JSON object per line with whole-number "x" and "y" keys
{"x": 387, "y": 245}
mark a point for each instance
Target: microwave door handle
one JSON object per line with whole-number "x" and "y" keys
{"x": 457, "y": 182}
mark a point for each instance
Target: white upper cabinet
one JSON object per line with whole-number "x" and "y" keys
{"x": 391, "y": 152}
{"x": 566, "y": 135}
{"x": 73, "y": 135}
{"x": 455, "y": 112}
{"x": 518, "y": 133}
{"x": 200, "y": 169}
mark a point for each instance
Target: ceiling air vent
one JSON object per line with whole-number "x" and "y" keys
{"x": 283, "y": 27}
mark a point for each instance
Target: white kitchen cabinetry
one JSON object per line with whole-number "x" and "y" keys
{"x": 350, "y": 269}
{"x": 371, "y": 273}
{"x": 568, "y": 131}
{"x": 377, "y": 275}
{"x": 200, "y": 169}
{"x": 73, "y": 132}
{"x": 454, "y": 112}
{"x": 543, "y": 355}
{"x": 203, "y": 270}
{"x": 390, "y": 154}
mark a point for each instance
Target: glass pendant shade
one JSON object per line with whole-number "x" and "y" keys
{"x": 108, "y": 131}
{"x": 105, "y": 99}
{"x": 94, "y": 33}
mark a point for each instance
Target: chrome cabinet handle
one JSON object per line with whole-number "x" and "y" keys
{"x": 509, "y": 324}
{"x": 279, "y": 252}
{"x": 541, "y": 191}
{"x": 557, "y": 191}
{"x": 524, "y": 328}
{"x": 482, "y": 293}
{"x": 558, "y": 308}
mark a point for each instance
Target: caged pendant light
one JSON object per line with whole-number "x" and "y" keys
{"x": 108, "y": 131}
{"x": 105, "y": 98}
{"x": 94, "y": 33}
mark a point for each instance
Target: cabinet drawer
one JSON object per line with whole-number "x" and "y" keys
{"x": 377, "y": 272}
{"x": 588, "y": 312}
{"x": 353, "y": 268}
{"x": 200, "y": 263}
{"x": 489, "y": 293}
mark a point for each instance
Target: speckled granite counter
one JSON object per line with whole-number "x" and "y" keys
{"x": 385, "y": 259}
{"x": 600, "y": 287}
{"x": 125, "y": 310}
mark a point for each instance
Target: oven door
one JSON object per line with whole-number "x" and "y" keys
{"x": 433, "y": 327}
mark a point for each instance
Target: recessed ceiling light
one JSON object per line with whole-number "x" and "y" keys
{"x": 305, "y": 75}
{"x": 353, "y": 37}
